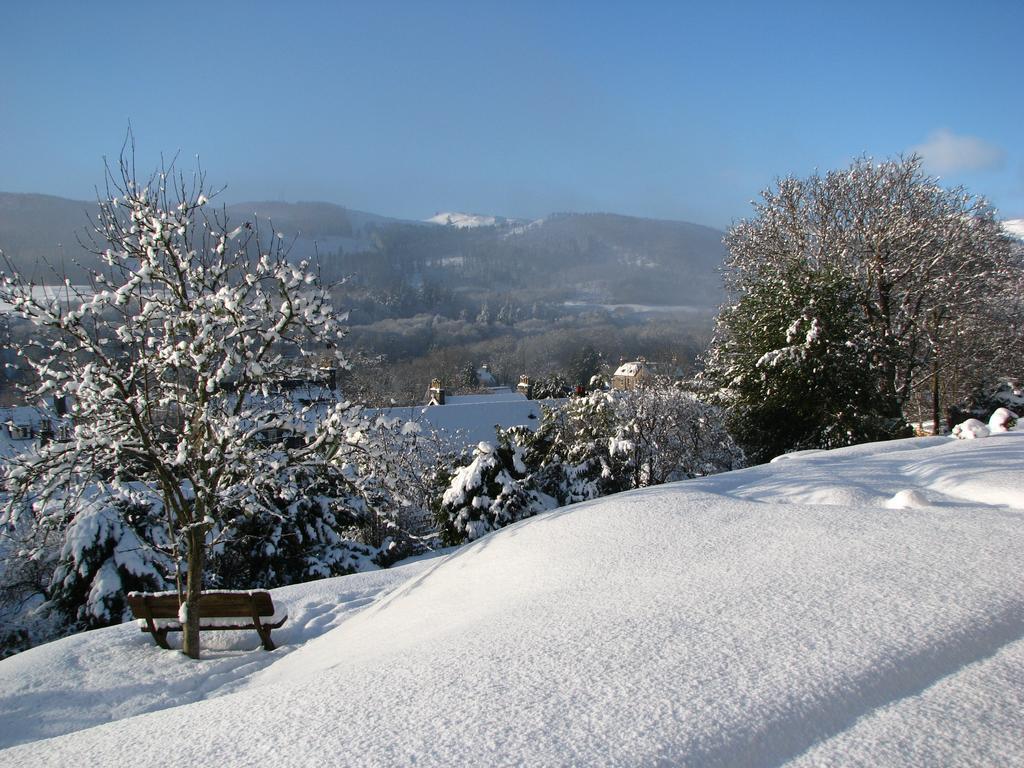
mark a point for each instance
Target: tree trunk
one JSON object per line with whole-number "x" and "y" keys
{"x": 196, "y": 563}
{"x": 935, "y": 397}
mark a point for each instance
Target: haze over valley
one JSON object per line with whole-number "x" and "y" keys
{"x": 434, "y": 298}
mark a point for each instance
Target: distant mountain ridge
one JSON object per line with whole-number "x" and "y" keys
{"x": 41, "y": 235}
{"x": 597, "y": 257}
{"x": 317, "y": 227}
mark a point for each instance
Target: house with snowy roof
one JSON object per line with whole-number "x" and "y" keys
{"x": 632, "y": 374}
{"x": 24, "y": 425}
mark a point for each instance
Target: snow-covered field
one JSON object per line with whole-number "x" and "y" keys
{"x": 855, "y": 607}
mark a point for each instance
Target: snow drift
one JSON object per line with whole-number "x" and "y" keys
{"x": 785, "y": 613}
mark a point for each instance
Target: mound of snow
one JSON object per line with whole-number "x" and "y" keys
{"x": 1001, "y": 420}
{"x": 907, "y": 499}
{"x": 970, "y": 429}
{"x": 713, "y": 622}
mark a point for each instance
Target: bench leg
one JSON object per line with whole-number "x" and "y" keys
{"x": 160, "y": 635}
{"x": 268, "y": 644}
{"x": 264, "y": 631}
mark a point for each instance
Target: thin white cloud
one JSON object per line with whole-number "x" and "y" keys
{"x": 946, "y": 152}
{"x": 1015, "y": 227}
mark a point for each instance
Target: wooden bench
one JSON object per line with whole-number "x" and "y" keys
{"x": 158, "y": 613}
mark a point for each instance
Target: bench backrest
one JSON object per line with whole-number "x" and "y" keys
{"x": 211, "y": 604}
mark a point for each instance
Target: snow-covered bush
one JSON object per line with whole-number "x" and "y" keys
{"x": 490, "y": 492}
{"x": 1002, "y": 420}
{"x": 68, "y": 562}
{"x": 990, "y": 396}
{"x": 575, "y": 454}
{"x": 311, "y": 529}
{"x": 106, "y": 554}
{"x": 608, "y": 442}
{"x": 27, "y": 556}
{"x": 412, "y": 466}
{"x": 553, "y": 385}
{"x": 669, "y": 434}
{"x": 970, "y": 430}
{"x": 591, "y": 446}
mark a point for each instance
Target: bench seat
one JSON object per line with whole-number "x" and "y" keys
{"x": 159, "y": 613}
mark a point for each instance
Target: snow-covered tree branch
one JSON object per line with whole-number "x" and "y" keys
{"x": 173, "y": 362}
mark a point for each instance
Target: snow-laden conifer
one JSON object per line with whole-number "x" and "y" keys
{"x": 490, "y": 492}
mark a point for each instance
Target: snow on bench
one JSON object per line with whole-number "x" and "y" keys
{"x": 159, "y": 613}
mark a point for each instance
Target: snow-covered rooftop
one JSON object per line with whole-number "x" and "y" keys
{"x": 20, "y": 424}
{"x": 472, "y": 418}
{"x": 784, "y": 614}
{"x": 630, "y": 369}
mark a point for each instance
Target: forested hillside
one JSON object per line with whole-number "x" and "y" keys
{"x": 604, "y": 258}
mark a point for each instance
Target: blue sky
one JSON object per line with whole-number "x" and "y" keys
{"x": 671, "y": 110}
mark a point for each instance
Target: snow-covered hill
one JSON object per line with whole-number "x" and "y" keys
{"x": 788, "y": 613}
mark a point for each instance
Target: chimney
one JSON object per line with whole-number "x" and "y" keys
{"x": 436, "y": 392}
{"x": 525, "y": 387}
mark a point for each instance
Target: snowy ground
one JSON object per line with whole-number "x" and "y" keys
{"x": 109, "y": 674}
{"x": 855, "y": 607}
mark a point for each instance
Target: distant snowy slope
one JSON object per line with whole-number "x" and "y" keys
{"x": 732, "y": 621}
{"x": 466, "y": 220}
